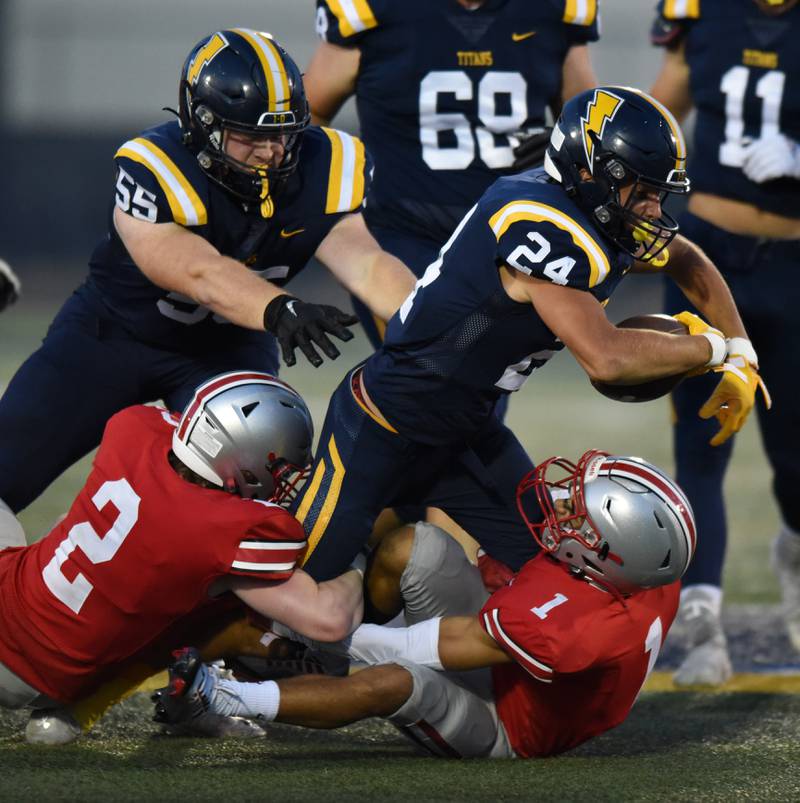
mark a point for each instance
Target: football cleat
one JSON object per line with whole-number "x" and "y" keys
{"x": 707, "y": 662}
{"x": 51, "y": 726}
{"x": 187, "y": 695}
{"x": 786, "y": 565}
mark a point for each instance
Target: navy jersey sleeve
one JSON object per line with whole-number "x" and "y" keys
{"x": 582, "y": 21}
{"x": 154, "y": 184}
{"x": 672, "y": 20}
{"x": 344, "y": 22}
{"x": 547, "y": 243}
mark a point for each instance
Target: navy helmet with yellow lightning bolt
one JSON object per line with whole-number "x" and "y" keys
{"x": 242, "y": 80}
{"x": 619, "y": 137}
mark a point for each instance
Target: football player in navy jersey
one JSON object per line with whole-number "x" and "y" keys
{"x": 527, "y": 271}
{"x": 442, "y": 91}
{"x": 737, "y": 63}
{"x": 213, "y": 214}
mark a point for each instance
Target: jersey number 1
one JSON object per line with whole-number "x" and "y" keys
{"x": 73, "y": 593}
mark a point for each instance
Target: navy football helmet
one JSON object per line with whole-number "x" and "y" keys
{"x": 620, "y": 137}
{"x": 775, "y": 6}
{"x": 242, "y": 80}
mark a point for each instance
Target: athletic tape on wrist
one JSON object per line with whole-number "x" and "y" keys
{"x": 741, "y": 345}
{"x": 718, "y": 348}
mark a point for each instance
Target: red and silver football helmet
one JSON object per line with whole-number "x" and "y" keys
{"x": 630, "y": 525}
{"x": 249, "y": 433}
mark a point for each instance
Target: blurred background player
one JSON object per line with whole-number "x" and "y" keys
{"x": 737, "y": 63}
{"x": 570, "y": 641}
{"x": 175, "y": 513}
{"x": 213, "y": 214}
{"x": 526, "y": 273}
{"x": 442, "y": 89}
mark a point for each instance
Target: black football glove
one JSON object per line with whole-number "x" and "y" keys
{"x": 9, "y": 286}
{"x": 297, "y": 323}
{"x": 531, "y": 149}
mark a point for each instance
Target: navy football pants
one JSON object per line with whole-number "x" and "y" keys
{"x": 764, "y": 277}
{"x": 361, "y": 467}
{"x": 88, "y": 368}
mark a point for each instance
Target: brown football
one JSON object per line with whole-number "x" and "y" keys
{"x": 655, "y": 388}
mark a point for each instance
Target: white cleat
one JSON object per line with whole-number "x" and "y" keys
{"x": 786, "y": 565}
{"x": 51, "y": 726}
{"x": 707, "y": 662}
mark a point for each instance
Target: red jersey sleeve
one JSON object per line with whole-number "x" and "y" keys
{"x": 272, "y": 548}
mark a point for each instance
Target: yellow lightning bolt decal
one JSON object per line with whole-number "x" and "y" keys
{"x": 602, "y": 108}
{"x": 203, "y": 56}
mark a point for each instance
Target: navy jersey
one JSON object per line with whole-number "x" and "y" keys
{"x": 745, "y": 83}
{"x": 459, "y": 341}
{"x": 440, "y": 89}
{"x": 159, "y": 180}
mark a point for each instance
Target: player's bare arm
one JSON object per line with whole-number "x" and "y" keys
{"x": 577, "y": 73}
{"x": 606, "y": 353}
{"x": 327, "y": 611}
{"x": 464, "y": 645}
{"x": 330, "y": 80}
{"x": 671, "y": 87}
{"x": 176, "y": 259}
{"x": 704, "y": 286}
{"x": 371, "y": 274}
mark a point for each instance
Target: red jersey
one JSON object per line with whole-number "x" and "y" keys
{"x": 138, "y": 550}
{"x": 581, "y": 654}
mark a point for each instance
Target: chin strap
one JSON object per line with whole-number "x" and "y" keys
{"x": 267, "y": 207}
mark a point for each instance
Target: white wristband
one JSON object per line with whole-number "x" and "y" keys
{"x": 718, "y": 348}
{"x": 741, "y": 345}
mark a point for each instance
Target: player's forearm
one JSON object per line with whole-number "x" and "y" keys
{"x": 343, "y": 600}
{"x": 386, "y": 285}
{"x": 704, "y": 287}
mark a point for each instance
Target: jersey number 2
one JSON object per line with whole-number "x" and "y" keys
{"x": 99, "y": 549}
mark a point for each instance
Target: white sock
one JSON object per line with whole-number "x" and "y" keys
{"x": 376, "y": 644}
{"x": 233, "y": 698}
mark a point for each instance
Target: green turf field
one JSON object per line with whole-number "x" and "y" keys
{"x": 674, "y": 747}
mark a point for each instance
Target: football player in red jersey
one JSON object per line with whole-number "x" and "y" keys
{"x": 175, "y": 513}
{"x": 570, "y": 640}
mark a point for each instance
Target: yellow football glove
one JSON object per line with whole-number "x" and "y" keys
{"x": 734, "y": 397}
{"x": 697, "y": 326}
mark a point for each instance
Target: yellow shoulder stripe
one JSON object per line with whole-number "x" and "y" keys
{"x": 346, "y": 176}
{"x": 580, "y": 12}
{"x": 532, "y": 210}
{"x": 681, "y": 9}
{"x": 354, "y": 16}
{"x": 187, "y": 208}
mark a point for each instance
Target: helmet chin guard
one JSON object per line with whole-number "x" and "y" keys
{"x": 627, "y": 524}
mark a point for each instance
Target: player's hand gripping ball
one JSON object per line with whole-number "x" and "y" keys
{"x": 653, "y": 388}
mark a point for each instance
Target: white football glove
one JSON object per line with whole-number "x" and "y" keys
{"x": 775, "y": 156}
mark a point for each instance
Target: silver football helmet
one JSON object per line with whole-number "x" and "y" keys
{"x": 628, "y": 526}
{"x": 249, "y": 433}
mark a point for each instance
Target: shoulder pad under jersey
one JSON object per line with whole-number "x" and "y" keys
{"x": 341, "y": 168}
{"x": 159, "y": 179}
{"x": 582, "y": 19}
{"x": 344, "y": 22}
{"x": 541, "y": 240}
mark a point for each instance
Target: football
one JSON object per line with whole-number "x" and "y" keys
{"x": 655, "y": 388}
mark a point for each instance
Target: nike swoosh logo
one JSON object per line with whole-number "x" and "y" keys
{"x": 286, "y": 234}
{"x": 518, "y": 37}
